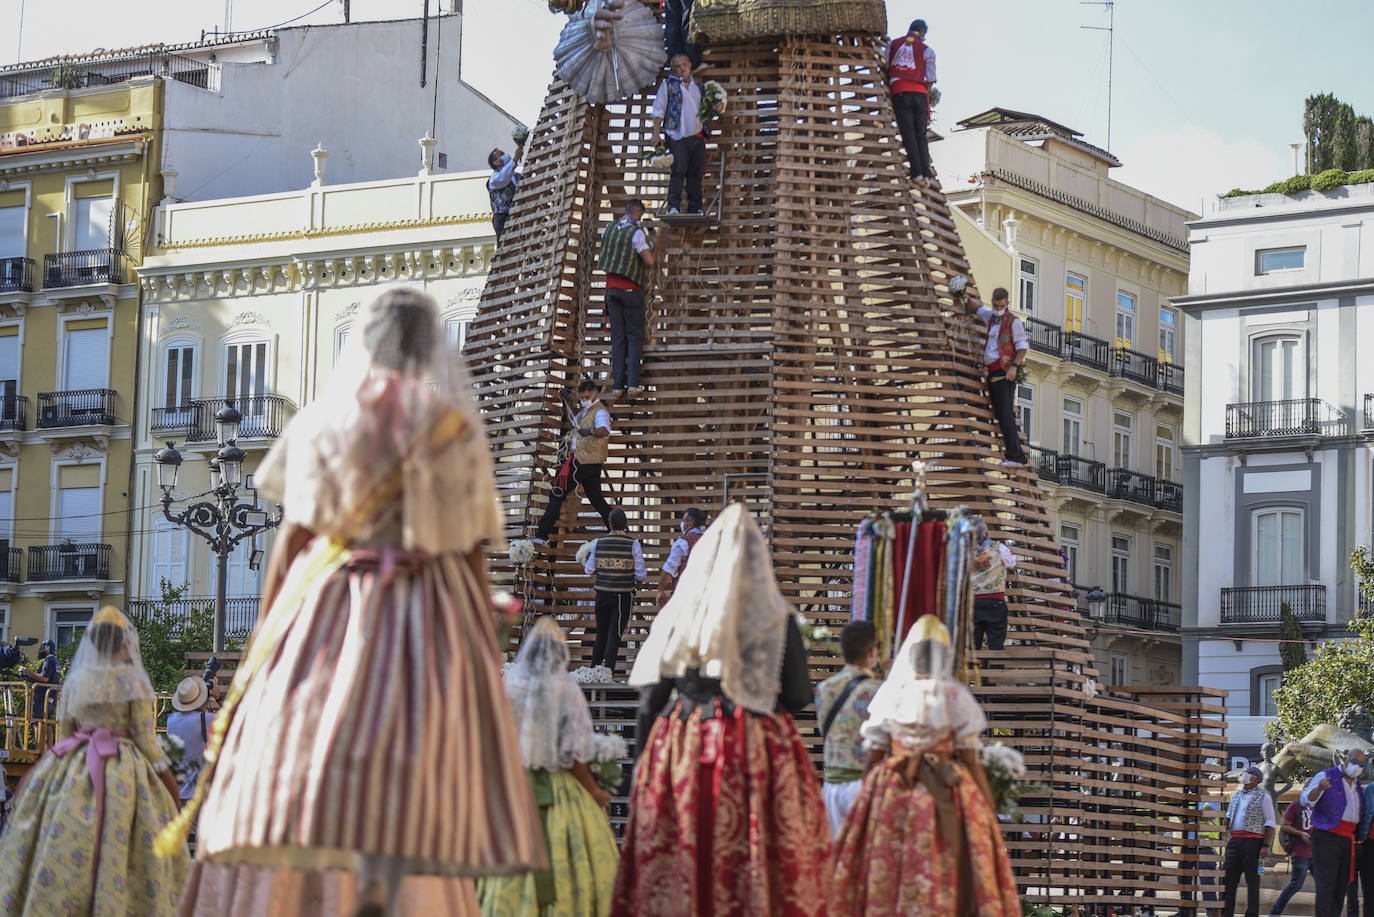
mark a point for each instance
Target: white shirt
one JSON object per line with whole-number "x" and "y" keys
{"x": 641, "y": 571}
{"x": 602, "y": 420}
{"x": 1019, "y": 342}
{"x": 504, "y": 176}
{"x": 1310, "y": 795}
{"x": 186, "y": 726}
{"x": 677, "y": 555}
{"x": 689, "y": 124}
{"x": 1235, "y": 813}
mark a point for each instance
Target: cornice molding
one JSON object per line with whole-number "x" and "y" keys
{"x": 347, "y": 230}
{"x": 169, "y": 284}
{"x": 19, "y": 164}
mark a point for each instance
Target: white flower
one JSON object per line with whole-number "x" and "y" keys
{"x": 821, "y": 633}
{"x": 958, "y": 284}
{"x": 608, "y": 746}
{"x": 1005, "y": 759}
{"x": 521, "y": 552}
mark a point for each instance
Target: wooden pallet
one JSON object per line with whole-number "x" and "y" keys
{"x": 802, "y": 352}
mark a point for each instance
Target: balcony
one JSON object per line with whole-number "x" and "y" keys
{"x": 14, "y": 413}
{"x": 82, "y": 408}
{"x": 11, "y": 566}
{"x": 1095, "y": 353}
{"x": 1262, "y": 604}
{"x": 1088, "y": 351}
{"x": 1170, "y": 378}
{"x": 1135, "y": 367}
{"x": 67, "y": 562}
{"x": 240, "y": 612}
{"x": 1293, "y": 417}
{"x": 16, "y": 275}
{"x": 76, "y": 74}
{"x": 1044, "y": 337}
{"x": 264, "y": 417}
{"x": 77, "y": 269}
{"x": 1169, "y": 495}
{"x": 1070, "y": 470}
{"x": 1132, "y": 486}
{"x": 1140, "y": 613}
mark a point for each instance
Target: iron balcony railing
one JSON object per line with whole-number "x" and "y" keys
{"x": 1292, "y": 417}
{"x": 1169, "y": 495}
{"x": 16, "y": 275}
{"x": 1368, "y": 423}
{"x": 1045, "y": 337}
{"x": 1135, "y": 367}
{"x": 176, "y": 419}
{"x": 1088, "y": 351}
{"x": 75, "y": 74}
{"x": 1264, "y": 604}
{"x": 1122, "y": 362}
{"x": 76, "y": 409}
{"x": 1141, "y": 613}
{"x": 75, "y": 269}
{"x": 1133, "y": 486}
{"x": 14, "y": 412}
{"x": 264, "y": 416}
{"x": 1073, "y": 470}
{"x": 11, "y": 565}
{"x": 1170, "y": 378}
{"x": 49, "y": 563}
{"x": 240, "y": 612}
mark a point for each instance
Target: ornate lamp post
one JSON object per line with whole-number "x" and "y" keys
{"x": 222, "y": 521}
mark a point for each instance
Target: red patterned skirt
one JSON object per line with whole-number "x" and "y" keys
{"x": 726, "y": 820}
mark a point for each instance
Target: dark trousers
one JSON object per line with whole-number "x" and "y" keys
{"x": 913, "y": 116}
{"x": 498, "y": 223}
{"x": 1242, "y": 859}
{"x": 589, "y": 477}
{"x": 625, "y": 308}
{"x": 689, "y": 164}
{"x": 612, "y": 617}
{"x": 1300, "y": 867}
{"x": 676, "y": 20}
{"x": 1330, "y": 871}
{"x": 1002, "y": 393}
{"x": 1364, "y": 873}
{"x": 990, "y": 621}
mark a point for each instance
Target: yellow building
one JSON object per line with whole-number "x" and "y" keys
{"x": 77, "y": 177}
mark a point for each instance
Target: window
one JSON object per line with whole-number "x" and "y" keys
{"x": 1278, "y": 371}
{"x": 4, "y": 624}
{"x": 245, "y": 380}
{"x": 456, "y": 330}
{"x": 11, "y": 235}
{"x": 1274, "y": 260}
{"x": 1075, "y": 295}
{"x": 9, "y": 370}
{"x": 1123, "y": 425}
{"x": 1279, "y": 544}
{"x": 1267, "y": 685}
{"x": 1168, "y": 335}
{"x": 1025, "y": 410}
{"x": 86, "y": 355}
{"x": 341, "y": 341}
{"x": 1072, "y": 441}
{"x": 91, "y": 222}
{"x": 1119, "y": 663}
{"x": 69, "y": 623}
{"x": 1164, "y": 573}
{"x": 1164, "y": 451}
{"x": 1121, "y": 564}
{"x": 1125, "y": 320}
{"x": 169, "y": 555}
{"x": 1029, "y": 271}
{"x": 179, "y": 376}
{"x": 1069, "y": 540}
{"x": 79, "y": 513}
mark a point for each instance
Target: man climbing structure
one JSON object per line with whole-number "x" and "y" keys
{"x": 1003, "y": 355}
{"x": 502, "y": 185}
{"x": 911, "y": 74}
{"x": 626, "y": 255}
{"x": 677, "y": 113}
{"x": 590, "y": 441}
{"x": 693, "y": 526}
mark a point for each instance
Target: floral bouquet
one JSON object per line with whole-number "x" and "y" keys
{"x": 175, "y": 750}
{"x": 933, "y": 97}
{"x": 1006, "y": 770}
{"x": 520, "y": 135}
{"x": 658, "y": 158}
{"x": 958, "y": 287}
{"x": 585, "y": 551}
{"x": 811, "y": 632}
{"x": 607, "y": 750}
{"x": 712, "y": 101}
{"x": 508, "y": 609}
{"x": 521, "y": 552}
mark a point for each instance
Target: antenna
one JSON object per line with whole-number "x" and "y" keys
{"x": 228, "y": 17}
{"x": 1111, "y": 36}
{"x": 19, "y": 44}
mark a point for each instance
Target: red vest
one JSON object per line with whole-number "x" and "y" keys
{"x": 913, "y": 71}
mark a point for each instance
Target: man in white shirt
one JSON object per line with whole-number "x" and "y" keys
{"x": 617, "y": 563}
{"x": 1250, "y": 823}
{"x": 1335, "y": 797}
{"x": 502, "y": 185}
{"x": 1004, "y": 351}
{"x": 590, "y": 439}
{"x": 191, "y": 723}
{"x": 677, "y": 109}
{"x": 693, "y": 526}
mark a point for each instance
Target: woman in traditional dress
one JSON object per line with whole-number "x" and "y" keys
{"x": 923, "y": 836}
{"x": 556, "y": 740}
{"x": 726, "y": 815}
{"x": 81, "y": 838}
{"x": 367, "y": 736}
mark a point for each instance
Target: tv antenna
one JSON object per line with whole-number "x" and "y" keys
{"x": 228, "y": 17}
{"x": 1110, "y": 29}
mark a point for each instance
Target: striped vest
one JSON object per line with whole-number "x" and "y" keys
{"x": 590, "y": 450}
{"x": 615, "y": 563}
{"x": 618, "y": 255}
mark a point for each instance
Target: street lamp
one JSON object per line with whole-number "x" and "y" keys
{"x": 1097, "y": 599}
{"x": 221, "y": 521}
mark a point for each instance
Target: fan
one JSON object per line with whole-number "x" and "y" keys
{"x": 610, "y": 49}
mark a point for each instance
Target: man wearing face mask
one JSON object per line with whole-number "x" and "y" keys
{"x": 590, "y": 441}
{"x": 502, "y": 186}
{"x": 1003, "y": 354}
{"x": 1335, "y": 796}
{"x": 693, "y": 526}
{"x": 1250, "y": 823}
{"x": 988, "y": 570}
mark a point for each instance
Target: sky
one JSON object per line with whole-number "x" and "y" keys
{"x": 1207, "y": 94}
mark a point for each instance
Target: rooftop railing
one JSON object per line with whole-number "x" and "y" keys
{"x": 79, "y": 74}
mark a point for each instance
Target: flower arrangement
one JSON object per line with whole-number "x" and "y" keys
{"x": 508, "y": 609}
{"x": 658, "y": 158}
{"x": 1006, "y": 770}
{"x": 811, "y": 632}
{"x": 585, "y": 551}
{"x": 521, "y": 552}
{"x": 958, "y": 286}
{"x": 175, "y": 750}
{"x": 712, "y": 101}
{"x": 607, "y": 750}
{"x": 933, "y": 96}
{"x": 520, "y": 135}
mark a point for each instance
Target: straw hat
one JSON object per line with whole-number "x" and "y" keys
{"x": 191, "y": 694}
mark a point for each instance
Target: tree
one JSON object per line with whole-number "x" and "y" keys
{"x": 1291, "y": 650}
{"x": 165, "y": 637}
{"x": 1339, "y": 674}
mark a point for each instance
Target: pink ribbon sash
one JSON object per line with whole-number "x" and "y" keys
{"x": 100, "y": 744}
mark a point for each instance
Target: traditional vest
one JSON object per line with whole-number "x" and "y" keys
{"x": 615, "y": 563}
{"x": 589, "y": 450}
{"x": 906, "y": 60}
{"x": 988, "y": 572}
{"x": 1252, "y": 815}
{"x": 618, "y": 255}
{"x": 1330, "y": 806}
{"x": 1006, "y": 349}
{"x": 501, "y": 198}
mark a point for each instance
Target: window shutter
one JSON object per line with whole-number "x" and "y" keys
{"x": 88, "y": 359}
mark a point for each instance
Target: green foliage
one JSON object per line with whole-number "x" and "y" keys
{"x": 1031, "y": 909}
{"x": 1337, "y": 138}
{"x": 66, "y": 75}
{"x": 1290, "y": 185}
{"x": 166, "y": 636}
{"x": 1292, "y": 650}
{"x": 1364, "y": 176}
{"x": 1330, "y": 179}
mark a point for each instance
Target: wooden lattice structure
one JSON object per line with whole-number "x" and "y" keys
{"x": 802, "y": 353}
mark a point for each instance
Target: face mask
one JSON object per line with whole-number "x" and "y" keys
{"x": 1353, "y": 770}
{"x": 683, "y": 525}
{"x": 505, "y": 160}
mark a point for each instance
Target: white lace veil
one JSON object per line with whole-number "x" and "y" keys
{"x": 727, "y": 618}
{"x": 394, "y": 448}
{"x": 921, "y": 690}
{"x": 551, "y": 714}
{"x": 107, "y": 669}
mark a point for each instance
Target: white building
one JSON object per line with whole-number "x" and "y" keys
{"x": 1278, "y": 432}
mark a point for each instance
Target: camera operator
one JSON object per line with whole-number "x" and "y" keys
{"x": 193, "y": 701}
{"x": 46, "y": 679}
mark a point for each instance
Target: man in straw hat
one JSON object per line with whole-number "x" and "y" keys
{"x": 191, "y": 723}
